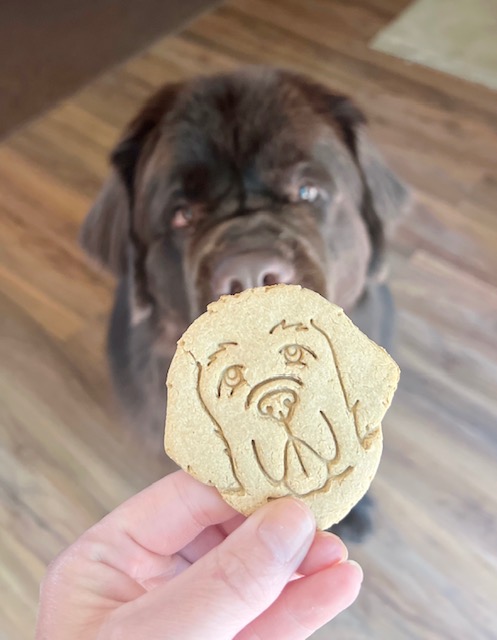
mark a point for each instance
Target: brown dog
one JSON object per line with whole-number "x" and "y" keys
{"x": 230, "y": 182}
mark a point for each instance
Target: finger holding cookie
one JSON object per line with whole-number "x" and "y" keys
{"x": 174, "y": 562}
{"x": 259, "y": 579}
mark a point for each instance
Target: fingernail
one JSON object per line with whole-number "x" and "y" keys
{"x": 287, "y": 529}
{"x": 358, "y": 567}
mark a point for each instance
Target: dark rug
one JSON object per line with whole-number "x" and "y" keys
{"x": 50, "y": 48}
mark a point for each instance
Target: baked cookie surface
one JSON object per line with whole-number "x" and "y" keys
{"x": 274, "y": 392}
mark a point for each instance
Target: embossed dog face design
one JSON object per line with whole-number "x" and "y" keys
{"x": 276, "y": 404}
{"x": 274, "y": 392}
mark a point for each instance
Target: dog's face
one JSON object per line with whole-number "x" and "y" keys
{"x": 242, "y": 180}
{"x": 274, "y": 392}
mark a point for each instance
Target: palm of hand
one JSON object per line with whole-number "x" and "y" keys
{"x": 177, "y": 562}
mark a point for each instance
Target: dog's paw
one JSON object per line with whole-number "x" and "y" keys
{"x": 358, "y": 524}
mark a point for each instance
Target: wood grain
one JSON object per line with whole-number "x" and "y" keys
{"x": 66, "y": 456}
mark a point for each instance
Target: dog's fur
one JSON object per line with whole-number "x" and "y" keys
{"x": 234, "y": 152}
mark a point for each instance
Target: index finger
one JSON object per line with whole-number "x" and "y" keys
{"x": 170, "y": 513}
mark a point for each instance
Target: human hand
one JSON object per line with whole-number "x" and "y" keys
{"x": 176, "y": 562}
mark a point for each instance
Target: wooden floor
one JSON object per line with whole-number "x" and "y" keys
{"x": 431, "y": 566}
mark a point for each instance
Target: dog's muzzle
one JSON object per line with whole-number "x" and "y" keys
{"x": 278, "y": 404}
{"x": 251, "y": 269}
{"x": 275, "y": 398}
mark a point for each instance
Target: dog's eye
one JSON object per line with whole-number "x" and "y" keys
{"x": 183, "y": 217}
{"x": 293, "y": 354}
{"x": 308, "y": 193}
{"x": 296, "y": 354}
{"x": 232, "y": 378}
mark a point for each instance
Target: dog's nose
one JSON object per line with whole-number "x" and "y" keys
{"x": 248, "y": 270}
{"x": 278, "y": 404}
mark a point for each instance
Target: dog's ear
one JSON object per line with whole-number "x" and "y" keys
{"x": 142, "y": 134}
{"x": 385, "y": 197}
{"x": 388, "y": 195}
{"x": 108, "y": 227}
{"x": 367, "y": 382}
{"x": 105, "y": 229}
{"x": 192, "y": 438}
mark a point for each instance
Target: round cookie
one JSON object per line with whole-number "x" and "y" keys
{"x": 274, "y": 392}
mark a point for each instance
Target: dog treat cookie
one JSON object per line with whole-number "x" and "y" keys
{"x": 274, "y": 392}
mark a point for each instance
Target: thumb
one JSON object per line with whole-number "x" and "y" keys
{"x": 230, "y": 586}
